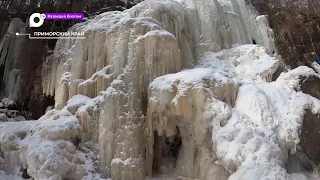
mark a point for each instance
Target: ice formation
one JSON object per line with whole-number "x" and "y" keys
{"x": 45, "y": 148}
{"x": 9, "y": 58}
{"x": 124, "y": 51}
{"x": 253, "y": 123}
{"x": 167, "y": 88}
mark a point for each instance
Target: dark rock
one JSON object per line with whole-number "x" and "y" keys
{"x": 296, "y": 26}
{"x": 310, "y": 136}
{"x": 25, "y": 174}
{"x": 276, "y": 74}
{"x": 311, "y": 85}
{"x": 299, "y": 162}
{"x": 3, "y": 30}
{"x": 310, "y": 132}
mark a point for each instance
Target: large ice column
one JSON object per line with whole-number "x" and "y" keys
{"x": 171, "y": 15}
{"x": 121, "y": 137}
{"x": 93, "y": 63}
{"x": 213, "y": 25}
{"x": 119, "y": 57}
{"x": 10, "y": 49}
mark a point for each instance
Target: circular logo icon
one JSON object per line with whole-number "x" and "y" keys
{"x": 41, "y": 18}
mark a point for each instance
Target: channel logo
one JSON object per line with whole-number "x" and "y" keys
{"x": 33, "y": 17}
{"x": 37, "y": 20}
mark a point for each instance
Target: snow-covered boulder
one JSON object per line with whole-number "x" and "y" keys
{"x": 7, "y": 103}
{"x": 45, "y": 148}
{"x": 3, "y": 117}
{"x": 8, "y": 111}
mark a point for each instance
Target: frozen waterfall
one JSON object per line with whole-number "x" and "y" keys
{"x": 167, "y": 88}
{"x": 124, "y": 51}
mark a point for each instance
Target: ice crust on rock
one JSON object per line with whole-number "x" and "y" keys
{"x": 249, "y": 63}
{"x": 253, "y": 127}
{"x": 45, "y": 147}
{"x": 125, "y": 92}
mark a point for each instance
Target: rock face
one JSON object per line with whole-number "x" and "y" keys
{"x": 20, "y": 62}
{"x": 310, "y": 135}
{"x": 310, "y": 129}
{"x": 311, "y": 86}
{"x": 296, "y": 27}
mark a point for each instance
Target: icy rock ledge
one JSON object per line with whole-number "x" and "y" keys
{"x": 45, "y": 148}
{"x": 226, "y": 112}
